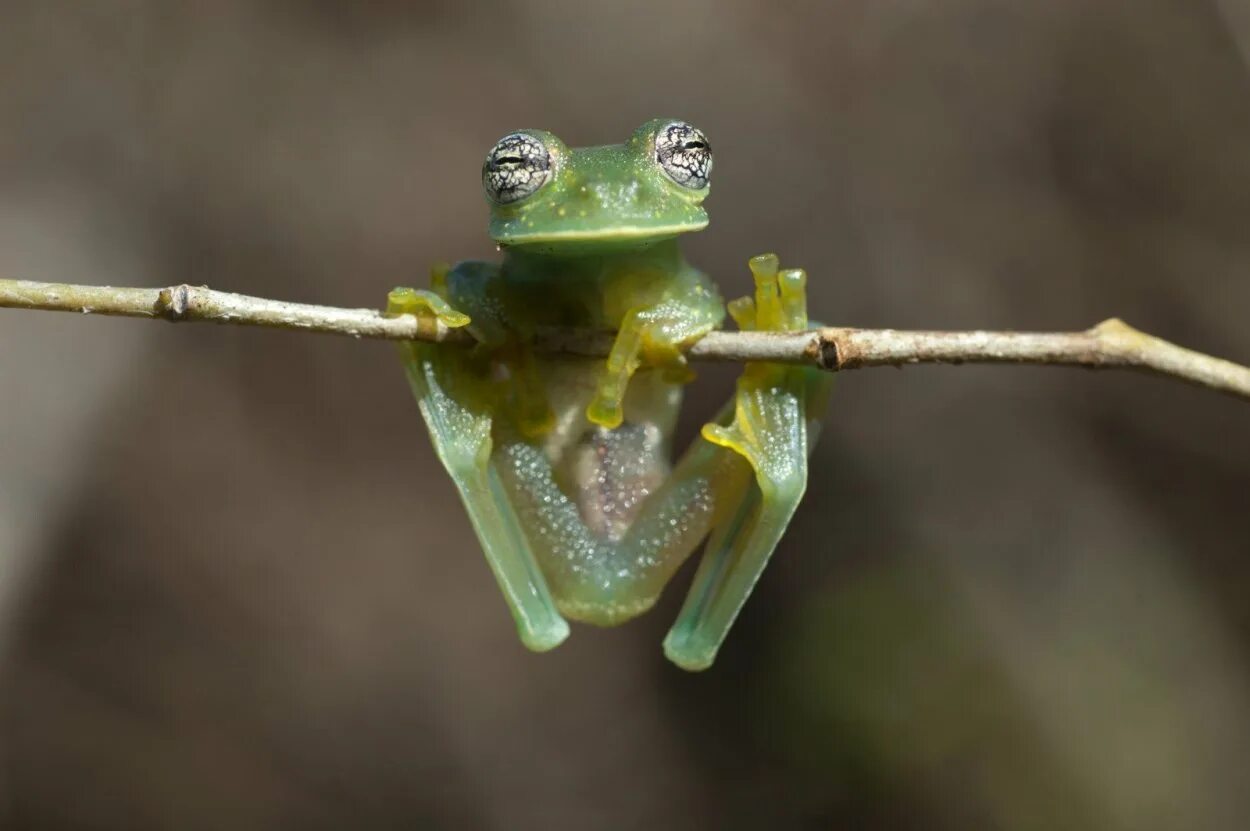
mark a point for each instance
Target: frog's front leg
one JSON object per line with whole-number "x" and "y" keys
{"x": 775, "y": 418}
{"x": 452, "y": 387}
{"x": 657, "y": 333}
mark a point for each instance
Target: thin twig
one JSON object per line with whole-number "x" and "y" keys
{"x": 1111, "y": 343}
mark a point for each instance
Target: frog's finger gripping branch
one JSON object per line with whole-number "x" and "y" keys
{"x": 780, "y": 301}
{"x": 655, "y": 333}
{"x": 424, "y": 301}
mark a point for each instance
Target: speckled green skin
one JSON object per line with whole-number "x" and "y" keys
{"x": 562, "y": 462}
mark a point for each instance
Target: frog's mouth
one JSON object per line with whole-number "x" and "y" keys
{"x": 574, "y": 231}
{"x": 623, "y": 234}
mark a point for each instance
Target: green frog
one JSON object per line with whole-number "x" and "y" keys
{"x": 562, "y": 461}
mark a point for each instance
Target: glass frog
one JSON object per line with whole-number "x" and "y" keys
{"x": 562, "y": 461}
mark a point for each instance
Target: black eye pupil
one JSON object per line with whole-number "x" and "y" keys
{"x": 509, "y": 160}
{"x": 695, "y": 145}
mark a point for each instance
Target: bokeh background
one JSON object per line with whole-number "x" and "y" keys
{"x": 236, "y": 590}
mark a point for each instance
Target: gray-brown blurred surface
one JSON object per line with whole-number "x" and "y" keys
{"x": 237, "y": 592}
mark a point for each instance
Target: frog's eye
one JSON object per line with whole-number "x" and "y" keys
{"x": 515, "y": 167}
{"x": 684, "y": 154}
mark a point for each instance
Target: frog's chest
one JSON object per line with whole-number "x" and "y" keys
{"x": 594, "y": 294}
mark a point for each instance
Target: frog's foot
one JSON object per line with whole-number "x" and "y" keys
{"x": 657, "y": 335}
{"x": 769, "y": 430}
{"x": 768, "y": 427}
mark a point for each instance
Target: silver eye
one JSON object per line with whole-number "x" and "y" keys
{"x": 515, "y": 167}
{"x": 684, "y": 154}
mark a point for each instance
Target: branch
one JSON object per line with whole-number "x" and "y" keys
{"x": 1111, "y": 343}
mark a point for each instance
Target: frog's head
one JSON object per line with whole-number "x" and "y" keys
{"x": 549, "y": 196}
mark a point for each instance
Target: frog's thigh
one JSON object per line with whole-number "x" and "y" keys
{"x": 772, "y": 431}
{"x": 451, "y": 395}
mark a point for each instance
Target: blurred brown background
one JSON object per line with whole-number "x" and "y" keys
{"x": 236, "y": 591}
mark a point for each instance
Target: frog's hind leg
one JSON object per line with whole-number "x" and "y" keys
{"x": 609, "y": 529}
{"x": 775, "y": 418}
{"x": 453, "y": 391}
{"x": 598, "y": 578}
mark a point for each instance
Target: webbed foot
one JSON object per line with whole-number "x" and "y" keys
{"x": 768, "y": 427}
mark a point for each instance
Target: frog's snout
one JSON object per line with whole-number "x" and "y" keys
{"x": 606, "y": 194}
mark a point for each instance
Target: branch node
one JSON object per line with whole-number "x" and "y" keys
{"x": 172, "y": 303}
{"x": 1112, "y": 325}
{"x": 823, "y": 352}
